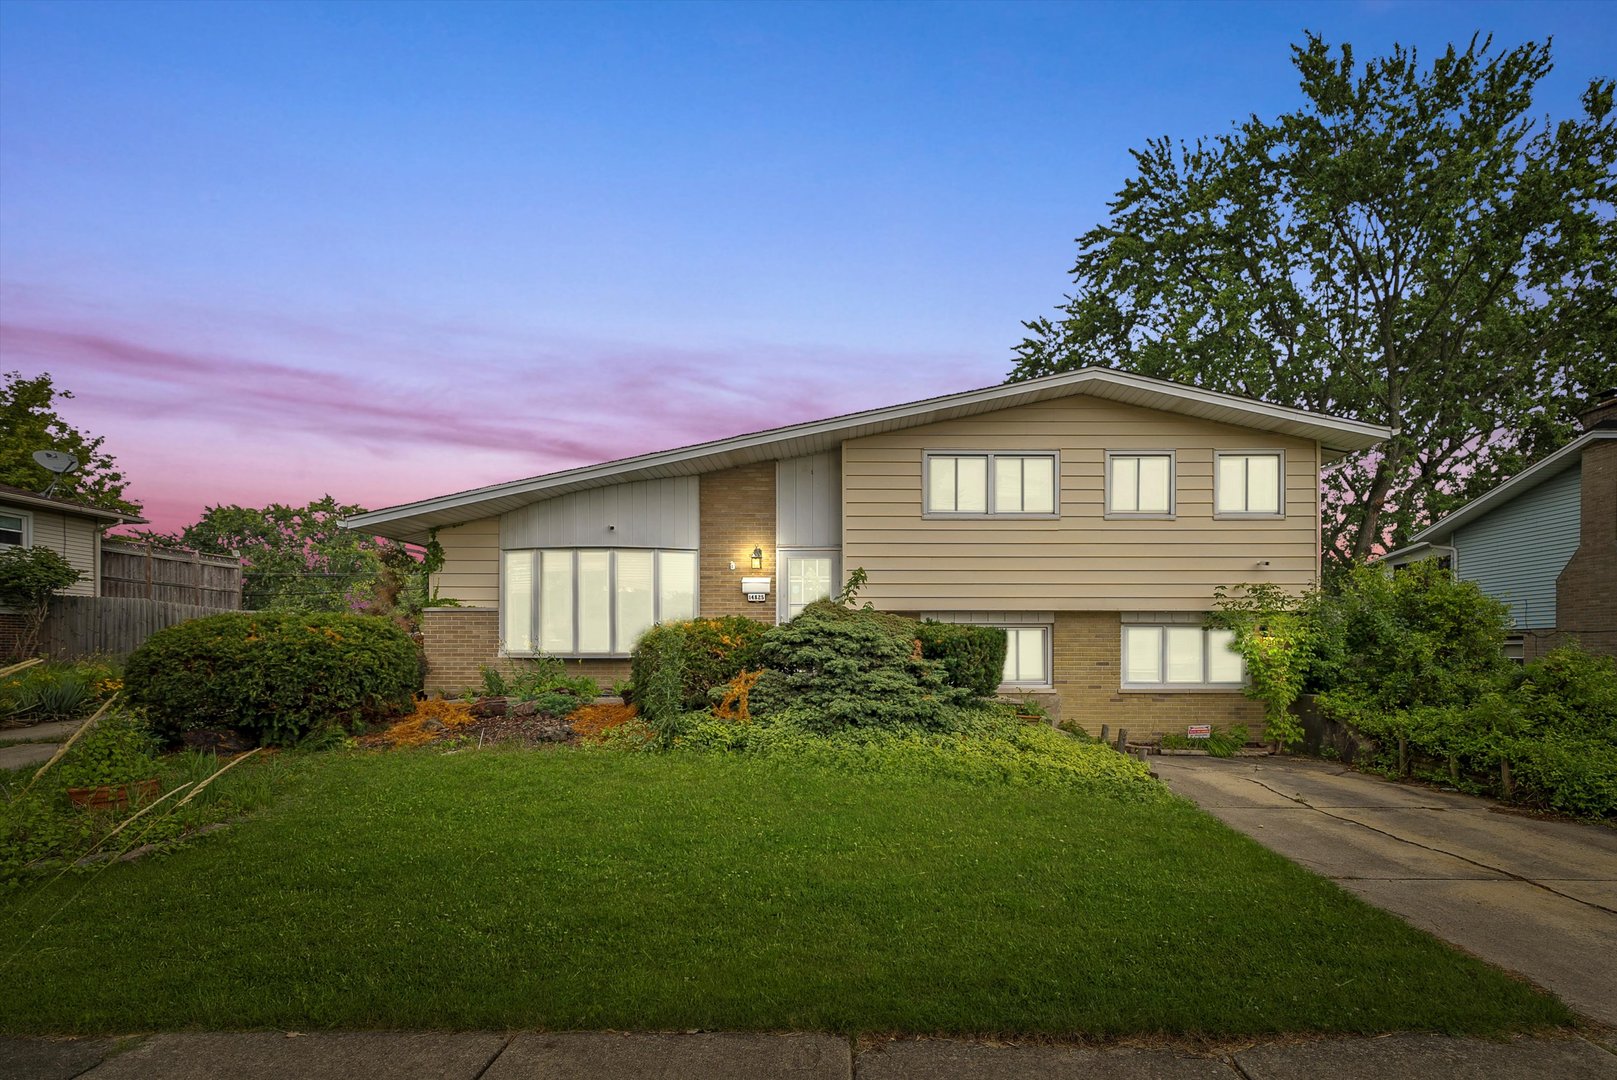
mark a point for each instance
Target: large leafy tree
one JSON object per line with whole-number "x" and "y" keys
{"x": 1411, "y": 246}
{"x": 29, "y": 422}
{"x": 300, "y": 558}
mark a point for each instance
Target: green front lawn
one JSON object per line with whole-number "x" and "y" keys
{"x": 576, "y": 889}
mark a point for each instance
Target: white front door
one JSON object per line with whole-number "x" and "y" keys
{"x": 806, "y": 576}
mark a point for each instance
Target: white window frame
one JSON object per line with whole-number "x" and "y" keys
{"x": 782, "y": 601}
{"x": 1162, "y": 660}
{"x": 27, "y": 526}
{"x": 1280, "y": 480}
{"x": 1138, "y": 515}
{"x": 927, "y": 512}
{"x": 1049, "y": 657}
{"x": 537, "y": 614}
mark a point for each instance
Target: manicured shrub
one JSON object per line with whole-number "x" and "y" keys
{"x": 680, "y": 664}
{"x": 843, "y": 667}
{"x": 973, "y": 657}
{"x": 276, "y": 676}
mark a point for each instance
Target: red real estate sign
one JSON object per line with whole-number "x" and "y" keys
{"x": 1199, "y": 731}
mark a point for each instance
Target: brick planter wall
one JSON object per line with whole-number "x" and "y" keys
{"x": 738, "y": 514}
{"x": 1088, "y": 674}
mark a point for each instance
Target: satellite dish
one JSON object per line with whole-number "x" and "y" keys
{"x": 56, "y": 462}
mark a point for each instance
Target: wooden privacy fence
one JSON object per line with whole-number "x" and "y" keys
{"x": 177, "y": 577}
{"x": 113, "y": 625}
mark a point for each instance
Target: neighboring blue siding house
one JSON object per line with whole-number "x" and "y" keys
{"x": 1544, "y": 543}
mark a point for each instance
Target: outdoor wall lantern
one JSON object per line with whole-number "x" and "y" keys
{"x": 757, "y": 558}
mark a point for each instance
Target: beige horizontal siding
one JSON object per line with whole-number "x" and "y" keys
{"x": 72, "y": 537}
{"x": 471, "y": 572}
{"x": 1080, "y": 560}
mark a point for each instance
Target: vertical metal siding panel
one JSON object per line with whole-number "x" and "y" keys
{"x": 647, "y": 513}
{"x": 808, "y": 495}
{"x": 1515, "y": 553}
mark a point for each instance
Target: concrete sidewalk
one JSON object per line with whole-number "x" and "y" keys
{"x": 721, "y": 1056}
{"x": 1534, "y": 896}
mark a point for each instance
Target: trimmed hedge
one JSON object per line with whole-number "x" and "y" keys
{"x": 837, "y": 667}
{"x": 676, "y": 666}
{"x": 973, "y": 657}
{"x": 276, "y": 676}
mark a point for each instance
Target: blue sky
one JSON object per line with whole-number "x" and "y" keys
{"x": 388, "y": 250}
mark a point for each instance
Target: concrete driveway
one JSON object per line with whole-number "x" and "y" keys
{"x": 1535, "y": 897}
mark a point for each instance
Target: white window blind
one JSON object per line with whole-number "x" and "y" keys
{"x": 1249, "y": 483}
{"x": 991, "y": 484}
{"x": 1140, "y": 484}
{"x": 567, "y": 602}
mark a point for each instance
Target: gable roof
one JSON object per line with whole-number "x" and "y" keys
{"x": 412, "y": 522}
{"x": 1444, "y": 528}
{"x": 16, "y": 496}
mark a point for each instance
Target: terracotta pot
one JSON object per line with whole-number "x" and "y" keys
{"x": 113, "y": 796}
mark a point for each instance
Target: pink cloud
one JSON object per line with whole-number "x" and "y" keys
{"x": 273, "y": 409}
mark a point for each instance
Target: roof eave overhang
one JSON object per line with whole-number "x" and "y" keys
{"x": 1442, "y": 530}
{"x": 39, "y": 502}
{"x": 414, "y": 522}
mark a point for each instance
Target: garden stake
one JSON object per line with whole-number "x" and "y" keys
{"x": 71, "y": 739}
{"x": 14, "y": 668}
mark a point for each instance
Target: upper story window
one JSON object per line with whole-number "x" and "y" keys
{"x": 566, "y": 602}
{"x": 991, "y": 483}
{"x": 13, "y": 529}
{"x": 1140, "y": 484}
{"x": 1248, "y": 484}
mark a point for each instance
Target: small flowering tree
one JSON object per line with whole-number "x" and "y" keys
{"x": 29, "y": 577}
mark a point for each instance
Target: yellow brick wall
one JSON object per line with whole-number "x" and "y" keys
{"x": 1088, "y": 676}
{"x": 737, "y": 515}
{"x": 460, "y": 641}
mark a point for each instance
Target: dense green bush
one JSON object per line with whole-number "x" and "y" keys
{"x": 276, "y": 676}
{"x": 987, "y": 746}
{"x": 973, "y": 657}
{"x": 119, "y": 749}
{"x": 1387, "y": 646}
{"x": 846, "y": 667}
{"x": 676, "y": 666}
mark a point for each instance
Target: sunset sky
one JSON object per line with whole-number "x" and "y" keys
{"x": 388, "y": 251}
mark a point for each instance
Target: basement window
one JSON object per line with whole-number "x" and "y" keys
{"x": 1180, "y": 657}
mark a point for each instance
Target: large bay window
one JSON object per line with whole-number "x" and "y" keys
{"x": 1180, "y": 657}
{"x": 991, "y": 483}
{"x": 566, "y": 602}
{"x": 1249, "y": 484}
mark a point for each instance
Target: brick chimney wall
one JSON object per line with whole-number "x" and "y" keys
{"x": 1586, "y": 591}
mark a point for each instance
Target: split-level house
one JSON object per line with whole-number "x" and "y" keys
{"x": 1543, "y": 543}
{"x": 1092, "y": 514}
